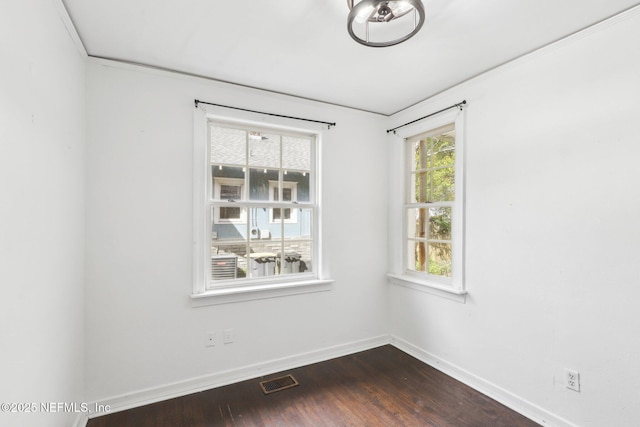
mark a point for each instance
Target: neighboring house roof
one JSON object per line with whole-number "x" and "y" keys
{"x": 228, "y": 148}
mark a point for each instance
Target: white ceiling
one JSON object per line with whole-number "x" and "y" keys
{"x": 302, "y": 48}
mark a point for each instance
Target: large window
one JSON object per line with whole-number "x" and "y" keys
{"x": 260, "y": 206}
{"x": 433, "y": 207}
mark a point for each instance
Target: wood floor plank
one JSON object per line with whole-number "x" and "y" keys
{"x": 379, "y": 387}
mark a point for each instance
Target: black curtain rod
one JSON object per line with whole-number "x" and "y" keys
{"x": 262, "y": 112}
{"x": 459, "y": 105}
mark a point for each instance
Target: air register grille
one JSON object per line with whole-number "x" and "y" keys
{"x": 278, "y": 384}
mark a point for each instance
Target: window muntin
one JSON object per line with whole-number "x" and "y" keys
{"x": 430, "y": 204}
{"x": 262, "y": 205}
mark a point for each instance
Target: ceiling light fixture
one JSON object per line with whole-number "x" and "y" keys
{"x": 382, "y": 23}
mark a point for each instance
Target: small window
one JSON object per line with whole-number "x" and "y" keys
{"x": 289, "y": 194}
{"x": 229, "y": 189}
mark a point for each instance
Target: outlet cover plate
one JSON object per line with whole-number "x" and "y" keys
{"x": 210, "y": 339}
{"x": 572, "y": 379}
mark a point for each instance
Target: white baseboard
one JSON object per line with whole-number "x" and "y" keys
{"x": 510, "y": 400}
{"x": 205, "y": 382}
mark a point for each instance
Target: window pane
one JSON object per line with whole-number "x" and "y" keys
{"x": 262, "y": 226}
{"x": 439, "y": 223}
{"x": 259, "y": 182}
{"x": 419, "y": 155}
{"x": 275, "y": 229}
{"x": 417, "y": 256}
{"x": 434, "y": 258}
{"x": 227, "y": 178}
{"x": 301, "y": 182}
{"x": 296, "y": 153}
{"x": 305, "y": 249}
{"x": 228, "y": 261}
{"x": 417, "y": 223}
{"x": 228, "y": 146}
{"x": 441, "y": 183}
{"x": 440, "y": 259}
{"x": 301, "y": 229}
{"x": 264, "y": 150}
{"x": 262, "y": 259}
{"x": 266, "y": 242}
{"x": 297, "y": 256}
{"x": 419, "y": 187}
{"x": 444, "y": 150}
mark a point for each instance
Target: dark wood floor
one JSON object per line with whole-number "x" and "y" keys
{"x": 379, "y": 387}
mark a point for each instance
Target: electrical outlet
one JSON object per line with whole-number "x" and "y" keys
{"x": 228, "y": 336}
{"x": 572, "y": 379}
{"x": 210, "y": 339}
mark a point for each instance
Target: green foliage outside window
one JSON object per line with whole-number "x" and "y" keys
{"x": 434, "y": 180}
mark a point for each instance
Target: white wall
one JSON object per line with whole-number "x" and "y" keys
{"x": 142, "y": 331}
{"x": 41, "y": 212}
{"x": 552, "y": 232}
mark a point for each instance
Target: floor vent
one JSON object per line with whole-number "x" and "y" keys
{"x": 277, "y": 384}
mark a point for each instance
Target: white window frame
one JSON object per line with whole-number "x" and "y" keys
{"x": 218, "y": 182}
{"x": 256, "y": 288}
{"x": 453, "y": 287}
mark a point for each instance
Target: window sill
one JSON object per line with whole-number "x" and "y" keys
{"x": 458, "y": 295}
{"x": 262, "y": 291}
